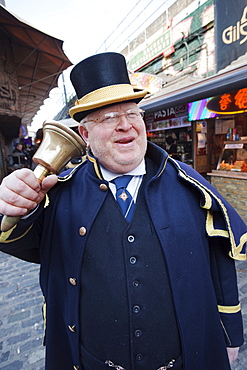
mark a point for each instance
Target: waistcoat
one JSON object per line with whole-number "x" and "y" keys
{"x": 126, "y": 306}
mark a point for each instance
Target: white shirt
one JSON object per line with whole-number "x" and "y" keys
{"x": 133, "y": 185}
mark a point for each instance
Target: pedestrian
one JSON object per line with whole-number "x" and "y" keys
{"x": 138, "y": 275}
{"x": 20, "y": 157}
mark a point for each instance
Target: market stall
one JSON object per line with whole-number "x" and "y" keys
{"x": 230, "y": 177}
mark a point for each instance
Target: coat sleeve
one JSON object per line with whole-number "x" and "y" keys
{"x": 22, "y": 240}
{"x": 224, "y": 278}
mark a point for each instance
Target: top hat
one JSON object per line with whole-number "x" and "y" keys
{"x": 101, "y": 80}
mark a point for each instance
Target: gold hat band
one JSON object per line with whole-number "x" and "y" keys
{"x": 106, "y": 93}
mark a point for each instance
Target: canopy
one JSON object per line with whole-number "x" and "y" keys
{"x": 220, "y": 83}
{"x": 38, "y": 61}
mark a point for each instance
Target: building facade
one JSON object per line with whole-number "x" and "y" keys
{"x": 190, "y": 48}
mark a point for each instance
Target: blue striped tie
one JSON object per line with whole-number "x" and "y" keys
{"x": 123, "y": 197}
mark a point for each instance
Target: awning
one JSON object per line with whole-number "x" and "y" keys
{"x": 220, "y": 83}
{"x": 38, "y": 61}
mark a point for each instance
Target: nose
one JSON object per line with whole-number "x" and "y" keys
{"x": 123, "y": 123}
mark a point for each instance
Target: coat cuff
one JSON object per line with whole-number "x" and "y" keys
{"x": 231, "y": 320}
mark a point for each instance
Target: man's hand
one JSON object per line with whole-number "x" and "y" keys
{"x": 232, "y": 353}
{"x": 21, "y": 192}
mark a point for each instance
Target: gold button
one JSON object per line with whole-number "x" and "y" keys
{"x": 72, "y": 281}
{"x": 82, "y": 231}
{"x": 76, "y": 367}
{"x": 103, "y": 187}
{"x": 72, "y": 328}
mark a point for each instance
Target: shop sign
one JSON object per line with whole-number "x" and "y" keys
{"x": 234, "y": 146}
{"x": 162, "y": 44}
{"x": 146, "y": 81}
{"x": 197, "y": 110}
{"x": 8, "y": 96}
{"x": 231, "y": 31}
{"x": 168, "y": 113}
{"x": 237, "y": 32}
{"x": 229, "y": 103}
{"x": 173, "y": 117}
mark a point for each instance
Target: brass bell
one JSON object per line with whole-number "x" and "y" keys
{"x": 59, "y": 145}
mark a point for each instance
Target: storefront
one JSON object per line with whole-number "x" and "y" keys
{"x": 203, "y": 123}
{"x": 230, "y": 179}
{"x": 216, "y": 124}
{"x": 208, "y": 134}
{"x": 230, "y": 175}
{"x": 186, "y": 134}
{"x": 221, "y": 83}
{"x": 171, "y": 130}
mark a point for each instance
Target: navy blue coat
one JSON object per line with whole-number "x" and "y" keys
{"x": 200, "y": 235}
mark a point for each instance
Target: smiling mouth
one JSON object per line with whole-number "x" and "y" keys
{"x": 125, "y": 141}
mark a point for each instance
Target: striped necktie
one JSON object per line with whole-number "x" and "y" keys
{"x": 123, "y": 197}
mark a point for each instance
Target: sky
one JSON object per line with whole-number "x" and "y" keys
{"x": 83, "y": 25}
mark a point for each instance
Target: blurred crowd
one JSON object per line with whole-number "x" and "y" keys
{"x": 23, "y": 152}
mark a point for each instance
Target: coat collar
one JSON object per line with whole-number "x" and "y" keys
{"x": 228, "y": 225}
{"x": 155, "y": 153}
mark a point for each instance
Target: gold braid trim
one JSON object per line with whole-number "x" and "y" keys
{"x": 163, "y": 168}
{"x": 208, "y": 194}
{"x": 47, "y": 201}
{"x": 44, "y": 310}
{"x": 96, "y": 169}
{"x": 68, "y": 177}
{"x": 210, "y": 227}
{"x": 229, "y": 309}
{"x": 5, "y": 234}
{"x": 4, "y": 237}
{"x": 238, "y": 256}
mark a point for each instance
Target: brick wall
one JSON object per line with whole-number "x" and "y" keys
{"x": 234, "y": 191}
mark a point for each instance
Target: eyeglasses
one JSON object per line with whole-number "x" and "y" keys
{"x": 113, "y": 118}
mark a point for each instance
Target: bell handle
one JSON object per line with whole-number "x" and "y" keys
{"x": 10, "y": 221}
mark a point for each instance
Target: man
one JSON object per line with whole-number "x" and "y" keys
{"x": 18, "y": 152}
{"x": 141, "y": 277}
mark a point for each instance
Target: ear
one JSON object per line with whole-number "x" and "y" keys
{"x": 84, "y": 134}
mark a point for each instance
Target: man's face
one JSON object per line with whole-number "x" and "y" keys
{"x": 119, "y": 148}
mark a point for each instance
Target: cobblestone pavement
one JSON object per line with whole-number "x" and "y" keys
{"x": 21, "y": 323}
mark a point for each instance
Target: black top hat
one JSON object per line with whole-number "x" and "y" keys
{"x": 101, "y": 80}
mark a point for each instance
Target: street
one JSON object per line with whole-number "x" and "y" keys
{"x": 21, "y": 323}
